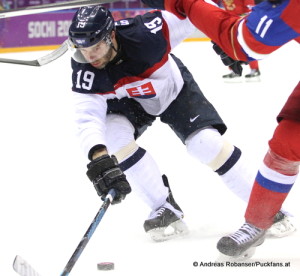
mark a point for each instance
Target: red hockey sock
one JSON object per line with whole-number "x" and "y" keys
{"x": 276, "y": 176}
{"x": 263, "y": 206}
{"x": 253, "y": 64}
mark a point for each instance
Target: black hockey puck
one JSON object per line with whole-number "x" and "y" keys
{"x": 106, "y": 266}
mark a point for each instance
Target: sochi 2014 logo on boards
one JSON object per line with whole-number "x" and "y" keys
{"x": 144, "y": 91}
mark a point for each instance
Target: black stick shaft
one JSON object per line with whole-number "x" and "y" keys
{"x": 109, "y": 198}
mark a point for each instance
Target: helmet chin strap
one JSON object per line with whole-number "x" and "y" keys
{"x": 109, "y": 42}
{"x": 114, "y": 48}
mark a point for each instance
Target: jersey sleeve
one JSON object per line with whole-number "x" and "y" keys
{"x": 90, "y": 114}
{"x": 179, "y": 29}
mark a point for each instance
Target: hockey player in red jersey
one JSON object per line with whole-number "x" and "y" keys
{"x": 270, "y": 25}
{"x": 240, "y": 7}
{"x": 274, "y": 180}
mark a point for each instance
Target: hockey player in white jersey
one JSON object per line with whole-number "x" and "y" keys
{"x": 124, "y": 77}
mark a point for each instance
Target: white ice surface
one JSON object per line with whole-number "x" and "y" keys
{"x": 47, "y": 202}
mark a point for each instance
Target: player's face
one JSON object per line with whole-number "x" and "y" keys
{"x": 98, "y": 55}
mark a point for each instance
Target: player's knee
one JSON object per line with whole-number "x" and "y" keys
{"x": 210, "y": 148}
{"x": 204, "y": 144}
{"x": 119, "y": 132}
{"x": 285, "y": 141}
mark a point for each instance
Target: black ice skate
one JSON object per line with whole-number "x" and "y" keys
{"x": 241, "y": 244}
{"x": 232, "y": 77}
{"x": 253, "y": 76}
{"x": 166, "y": 222}
{"x": 282, "y": 226}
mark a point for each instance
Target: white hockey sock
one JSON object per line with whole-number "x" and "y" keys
{"x": 146, "y": 180}
{"x": 210, "y": 148}
{"x": 141, "y": 170}
{"x": 239, "y": 179}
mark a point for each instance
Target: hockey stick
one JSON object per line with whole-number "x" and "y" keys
{"x": 51, "y": 7}
{"x": 108, "y": 199}
{"x": 63, "y": 48}
{"x": 23, "y": 268}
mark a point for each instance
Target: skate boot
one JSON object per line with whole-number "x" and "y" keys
{"x": 241, "y": 245}
{"x": 232, "y": 77}
{"x": 282, "y": 226}
{"x": 253, "y": 76}
{"x": 166, "y": 222}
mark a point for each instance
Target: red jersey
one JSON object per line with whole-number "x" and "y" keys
{"x": 266, "y": 28}
{"x": 237, "y": 7}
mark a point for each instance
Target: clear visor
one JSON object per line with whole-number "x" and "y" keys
{"x": 89, "y": 54}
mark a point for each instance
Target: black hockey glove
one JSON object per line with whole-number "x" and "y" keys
{"x": 173, "y": 6}
{"x": 235, "y": 65}
{"x": 155, "y": 4}
{"x": 106, "y": 174}
{"x": 271, "y": 1}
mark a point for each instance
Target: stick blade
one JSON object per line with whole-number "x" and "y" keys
{"x": 63, "y": 48}
{"x": 20, "y": 62}
{"x": 23, "y": 268}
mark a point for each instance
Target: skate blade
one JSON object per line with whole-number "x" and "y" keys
{"x": 244, "y": 256}
{"x": 253, "y": 79}
{"x": 281, "y": 228}
{"x": 233, "y": 80}
{"x": 174, "y": 230}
